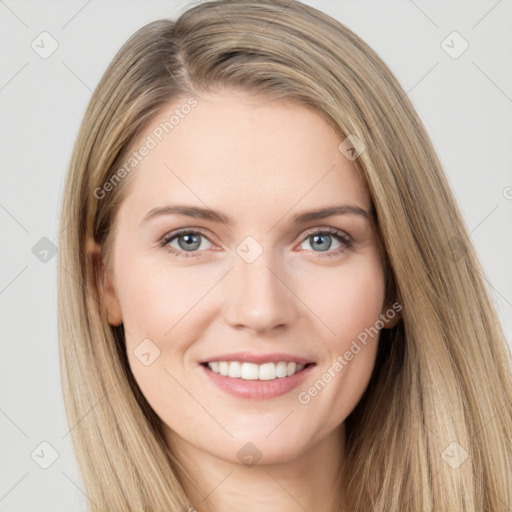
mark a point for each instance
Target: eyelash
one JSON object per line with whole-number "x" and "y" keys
{"x": 346, "y": 241}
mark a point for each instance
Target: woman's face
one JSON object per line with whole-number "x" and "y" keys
{"x": 246, "y": 277}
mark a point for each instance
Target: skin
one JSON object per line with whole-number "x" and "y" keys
{"x": 260, "y": 163}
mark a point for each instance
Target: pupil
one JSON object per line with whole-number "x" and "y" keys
{"x": 190, "y": 240}
{"x": 323, "y": 247}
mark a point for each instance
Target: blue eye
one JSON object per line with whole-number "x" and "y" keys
{"x": 190, "y": 242}
{"x": 321, "y": 239}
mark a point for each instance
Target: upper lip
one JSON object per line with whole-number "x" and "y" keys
{"x": 250, "y": 357}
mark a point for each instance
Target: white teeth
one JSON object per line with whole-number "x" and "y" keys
{"x": 223, "y": 368}
{"x": 267, "y": 371}
{"x": 234, "y": 369}
{"x": 281, "y": 369}
{"x": 251, "y": 371}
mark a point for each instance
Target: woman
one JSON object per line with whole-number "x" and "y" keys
{"x": 212, "y": 357}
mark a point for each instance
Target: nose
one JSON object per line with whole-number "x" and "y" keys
{"x": 259, "y": 295}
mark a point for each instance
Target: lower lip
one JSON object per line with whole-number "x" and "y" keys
{"x": 257, "y": 389}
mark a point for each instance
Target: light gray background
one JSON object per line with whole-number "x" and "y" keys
{"x": 465, "y": 103}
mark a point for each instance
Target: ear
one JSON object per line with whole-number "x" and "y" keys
{"x": 104, "y": 284}
{"x": 390, "y": 314}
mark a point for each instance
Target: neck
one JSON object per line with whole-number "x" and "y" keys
{"x": 311, "y": 481}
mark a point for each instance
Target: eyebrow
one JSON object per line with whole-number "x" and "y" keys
{"x": 216, "y": 216}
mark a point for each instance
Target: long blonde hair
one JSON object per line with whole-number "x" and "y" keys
{"x": 433, "y": 428}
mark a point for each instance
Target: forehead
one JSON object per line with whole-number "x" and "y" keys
{"x": 244, "y": 155}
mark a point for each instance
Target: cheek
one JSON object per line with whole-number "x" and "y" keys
{"x": 346, "y": 301}
{"x": 158, "y": 306}
{"x": 163, "y": 315}
{"x": 156, "y": 299}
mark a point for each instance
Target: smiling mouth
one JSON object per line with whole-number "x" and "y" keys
{"x": 252, "y": 371}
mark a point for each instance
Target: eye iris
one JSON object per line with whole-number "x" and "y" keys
{"x": 192, "y": 242}
{"x": 322, "y": 238}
